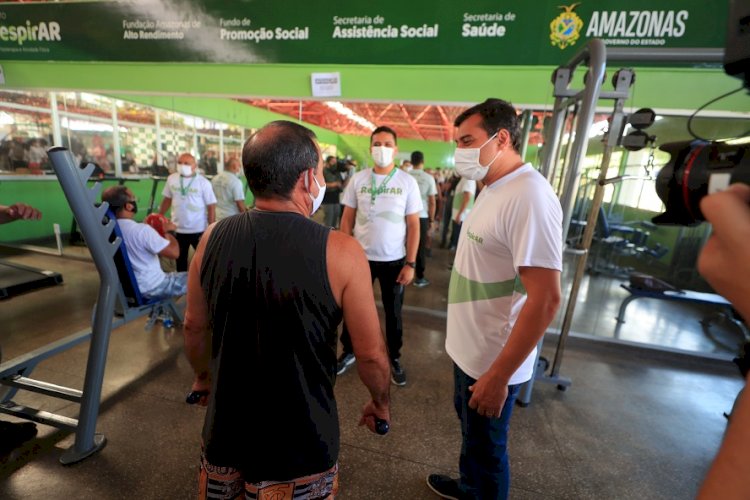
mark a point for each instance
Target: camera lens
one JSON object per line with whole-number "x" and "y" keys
{"x": 695, "y": 169}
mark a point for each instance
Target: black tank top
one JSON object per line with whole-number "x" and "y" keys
{"x": 274, "y": 321}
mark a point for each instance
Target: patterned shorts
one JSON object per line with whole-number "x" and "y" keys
{"x": 226, "y": 483}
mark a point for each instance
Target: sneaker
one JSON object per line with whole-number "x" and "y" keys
{"x": 421, "y": 283}
{"x": 444, "y": 486}
{"x": 345, "y": 361}
{"x": 398, "y": 376}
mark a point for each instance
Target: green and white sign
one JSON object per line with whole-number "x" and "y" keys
{"x": 420, "y": 32}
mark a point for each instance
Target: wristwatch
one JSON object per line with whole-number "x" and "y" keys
{"x": 413, "y": 265}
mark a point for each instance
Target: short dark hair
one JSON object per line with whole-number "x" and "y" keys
{"x": 383, "y": 128}
{"x": 275, "y": 156}
{"x": 417, "y": 158}
{"x": 496, "y": 115}
{"x": 117, "y": 197}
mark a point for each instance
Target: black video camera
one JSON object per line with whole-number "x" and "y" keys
{"x": 697, "y": 168}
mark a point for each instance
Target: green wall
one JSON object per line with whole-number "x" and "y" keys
{"x": 676, "y": 88}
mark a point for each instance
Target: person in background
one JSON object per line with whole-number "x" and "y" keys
{"x": 334, "y": 184}
{"x": 229, "y": 191}
{"x": 463, "y": 201}
{"x": 261, "y": 326}
{"x": 13, "y": 434}
{"x": 145, "y": 246}
{"x": 428, "y": 191}
{"x": 193, "y": 204}
{"x": 725, "y": 265}
{"x": 381, "y": 210}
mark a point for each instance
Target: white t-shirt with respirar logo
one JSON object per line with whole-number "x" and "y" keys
{"x": 516, "y": 222}
{"x": 381, "y": 227}
{"x": 190, "y": 197}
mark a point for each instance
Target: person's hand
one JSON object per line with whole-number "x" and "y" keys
{"x": 457, "y": 220}
{"x": 22, "y": 211}
{"x": 488, "y": 396}
{"x": 201, "y": 385}
{"x": 406, "y": 276}
{"x": 371, "y": 411}
{"x": 724, "y": 260}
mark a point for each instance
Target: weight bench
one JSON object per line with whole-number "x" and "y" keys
{"x": 711, "y": 299}
{"x": 119, "y": 301}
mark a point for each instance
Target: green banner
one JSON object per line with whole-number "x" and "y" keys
{"x": 473, "y": 32}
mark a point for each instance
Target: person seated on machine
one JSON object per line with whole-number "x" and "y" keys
{"x": 14, "y": 434}
{"x": 144, "y": 245}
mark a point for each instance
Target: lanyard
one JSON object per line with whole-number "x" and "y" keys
{"x": 374, "y": 192}
{"x": 184, "y": 190}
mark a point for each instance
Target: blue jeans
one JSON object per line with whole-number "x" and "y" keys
{"x": 484, "y": 466}
{"x": 173, "y": 285}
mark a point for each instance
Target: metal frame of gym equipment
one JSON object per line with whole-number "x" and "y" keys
{"x": 111, "y": 311}
{"x": 583, "y": 103}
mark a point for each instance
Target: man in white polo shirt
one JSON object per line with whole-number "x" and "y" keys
{"x": 503, "y": 294}
{"x": 193, "y": 205}
{"x": 381, "y": 210}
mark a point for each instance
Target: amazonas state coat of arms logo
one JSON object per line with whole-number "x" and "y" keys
{"x": 565, "y": 29}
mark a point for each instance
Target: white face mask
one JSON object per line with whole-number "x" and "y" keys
{"x": 467, "y": 162}
{"x": 382, "y": 155}
{"x": 408, "y": 168}
{"x": 316, "y": 200}
{"x": 185, "y": 170}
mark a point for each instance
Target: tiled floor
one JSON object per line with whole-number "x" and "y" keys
{"x": 635, "y": 424}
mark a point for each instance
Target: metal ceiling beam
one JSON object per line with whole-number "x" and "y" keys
{"x": 409, "y": 120}
{"x": 382, "y": 113}
{"x": 420, "y": 115}
{"x": 447, "y": 125}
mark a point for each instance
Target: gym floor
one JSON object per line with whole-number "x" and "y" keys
{"x": 636, "y": 423}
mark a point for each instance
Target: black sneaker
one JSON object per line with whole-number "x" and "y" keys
{"x": 345, "y": 361}
{"x": 444, "y": 486}
{"x": 398, "y": 376}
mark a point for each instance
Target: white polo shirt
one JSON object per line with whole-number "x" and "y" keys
{"x": 190, "y": 197}
{"x": 380, "y": 227}
{"x": 516, "y": 222}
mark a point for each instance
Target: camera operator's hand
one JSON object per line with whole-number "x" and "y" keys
{"x": 725, "y": 264}
{"x": 724, "y": 260}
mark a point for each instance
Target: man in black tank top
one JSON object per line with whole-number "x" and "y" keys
{"x": 267, "y": 290}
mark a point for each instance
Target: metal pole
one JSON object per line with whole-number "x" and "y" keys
{"x": 596, "y": 53}
{"x": 588, "y": 236}
{"x": 527, "y": 118}
{"x": 553, "y": 135}
{"x": 81, "y": 199}
{"x": 56, "y": 130}
{"x": 116, "y": 140}
{"x": 158, "y": 137}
